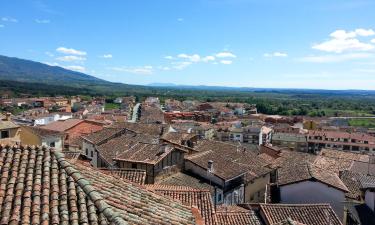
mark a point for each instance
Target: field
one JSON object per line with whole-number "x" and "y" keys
{"x": 362, "y": 122}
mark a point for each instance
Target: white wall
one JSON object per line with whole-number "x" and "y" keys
{"x": 88, "y": 149}
{"x": 370, "y": 199}
{"x": 46, "y": 141}
{"x": 306, "y": 192}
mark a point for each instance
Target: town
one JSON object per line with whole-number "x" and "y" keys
{"x": 133, "y": 160}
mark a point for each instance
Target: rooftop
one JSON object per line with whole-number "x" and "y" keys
{"x": 303, "y": 172}
{"x": 230, "y": 161}
{"x": 39, "y": 186}
{"x": 62, "y": 126}
{"x": 309, "y": 214}
{"x": 235, "y": 215}
{"x": 190, "y": 197}
{"x": 7, "y": 125}
{"x": 134, "y": 175}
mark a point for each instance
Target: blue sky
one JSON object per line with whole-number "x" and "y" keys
{"x": 326, "y": 44}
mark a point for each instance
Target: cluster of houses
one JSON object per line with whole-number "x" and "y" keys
{"x": 152, "y": 168}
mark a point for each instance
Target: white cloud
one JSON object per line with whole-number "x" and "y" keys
{"x": 208, "y": 58}
{"x": 373, "y": 40}
{"x": 335, "y": 58}
{"x": 107, "y": 56}
{"x": 226, "y": 62}
{"x": 275, "y": 54}
{"x": 181, "y": 65}
{"x": 225, "y": 55}
{"x": 1, "y": 25}
{"x": 9, "y": 19}
{"x": 42, "y": 21}
{"x": 76, "y": 68}
{"x": 180, "y": 19}
{"x": 70, "y": 51}
{"x": 342, "y": 34}
{"x": 69, "y": 58}
{"x": 169, "y": 57}
{"x": 193, "y": 58}
{"x": 145, "y": 70}
{"x": 342, "y": 41}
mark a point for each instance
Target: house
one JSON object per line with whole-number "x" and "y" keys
{"x": 151, "y": 114}
{"x": 36, "y": 136}
{"x": 340, "y": 140}
{"x": 152, "y": 101}
{"x": 93, "y": 140}
{"x": 296, "y": 214}
{"x": 40, "y": 186}
{"x": 248, "y": 134}
{"x": 127, "y": 149}
{"x": 306, "y": 183}
{"x": 9, "y": 132}
{"x": 361, "y": 210}
{"x": 292, "y": 141}
{"x": 74, "y": 129}
{"x": 239, "y": 174}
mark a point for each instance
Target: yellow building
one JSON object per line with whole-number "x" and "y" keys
{"x": 41, "y": 137}
{"x": 9, "y": 133}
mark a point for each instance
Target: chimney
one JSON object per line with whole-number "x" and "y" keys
{"x": 7, "y": 116}
{"x": 210, "y": 166}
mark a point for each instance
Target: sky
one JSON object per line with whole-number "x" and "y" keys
{"x": 320, "y": 44}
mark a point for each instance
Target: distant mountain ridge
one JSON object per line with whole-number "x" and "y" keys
{"x": 29, "y": 71}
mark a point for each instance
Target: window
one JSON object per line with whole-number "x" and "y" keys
{"x": 87, "y": 151}
{"x": 134, "y": 165}
{"x": 4, "y": 134}
{"x": 219, "y": 197}
{"x": 52, "y": 144}
{"x": 92, "y": 154}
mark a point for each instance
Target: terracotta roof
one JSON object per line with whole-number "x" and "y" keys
{"x": 190, "y": 197}
{"x": 134, "y": 175}
{"x": 229, "y": 161}
{"x": 102, "y": 135}
{"x": 38, "y": 186}
{"x": 303, "y": 172}
{"x": 134, "y": 148}
{"x": 309, "y": 214}
{"x": 235, "y": 215}
{"x": 289, "y": 222}
{"x": 351, "y": 182}
{"x": 286, "y": 158}
{"x": 337, "y": 161}
{"x": 363, "y": 168}
{"x": 142, "y": 128}
{"x": 62, "y": 126}
{"x": 43, "y": 132}
{"x": 331, "y": 153}
{"x": 7, "y": 125}
{"x": 183, "y": 179}
{"x": 145, "y": 153}
{"x": 178, "y": 137}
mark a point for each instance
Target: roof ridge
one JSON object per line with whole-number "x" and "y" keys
{"x": 85, "y": 185}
